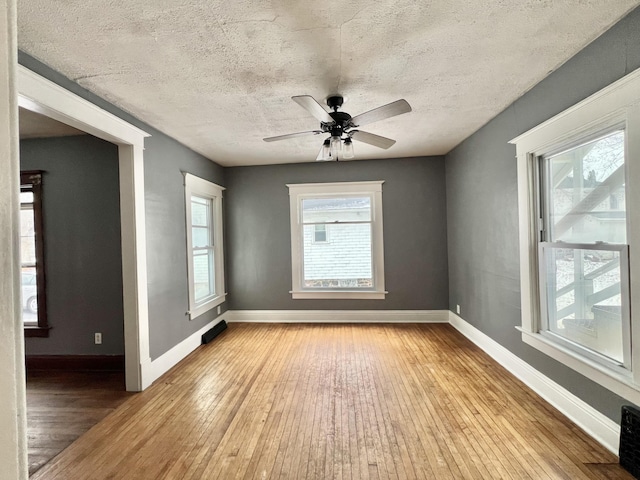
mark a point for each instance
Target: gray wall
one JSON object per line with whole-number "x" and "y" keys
{"x": 415, "y": 241}
{"x": 83, "y": 263}
{"x": 482, "y": 216}
{"x": 164, "y": 159}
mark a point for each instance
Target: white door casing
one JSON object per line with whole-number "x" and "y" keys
{"x": 42, "y": 96}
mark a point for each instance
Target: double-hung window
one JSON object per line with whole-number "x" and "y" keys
{"x": 579, "y": 207}
{"x": 583, "y": 254}
{"x": 34, "y": 305}
{"x": 205, "y": 265}
{"x": 336, "y": 240}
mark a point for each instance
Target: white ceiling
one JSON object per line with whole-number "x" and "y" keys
{"x": 34, "y": 125}
{"x": 218, "y": 76}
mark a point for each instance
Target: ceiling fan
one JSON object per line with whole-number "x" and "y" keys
{"x": 342, "y": 127}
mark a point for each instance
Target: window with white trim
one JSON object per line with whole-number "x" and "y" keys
{"x": 579, "y": 208}
{"x": 337, "y": 240}
{"x": 33, "y": 289}
{"x": 205, "y": 266}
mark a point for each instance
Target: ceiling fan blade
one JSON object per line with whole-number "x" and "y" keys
{"x": 314, "y": 108}
{"x": 390, "y": 110}
{"x": 292, "y": 135}
{"x": 372, "y": 139}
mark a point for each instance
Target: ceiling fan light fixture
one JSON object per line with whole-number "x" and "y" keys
{"x": 336, "y": 147}
{"x": 347, "y": 149}
{"x": 326, "y": 150}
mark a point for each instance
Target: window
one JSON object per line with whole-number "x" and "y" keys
{"x": 579, "y": 207}
{"x": 336, "y": 240}
{"x": 34, "y": 311}
{"x": 204, "y": 245}
{"x": 583, "y": 261}
{"x": 320, "y": 233}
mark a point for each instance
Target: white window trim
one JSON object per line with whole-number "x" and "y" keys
{"x": 198, "y": 186}
{"x": 297, "y": 192}
{"x": 617, "y": 103}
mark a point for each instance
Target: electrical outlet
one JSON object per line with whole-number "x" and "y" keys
{"x": 218, "y": 309}
{"x": 458, "y": 309}
{"x": 98, "y": 338}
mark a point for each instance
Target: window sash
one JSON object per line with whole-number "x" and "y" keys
{"x": 583, "y": 290}
{"x": 556, "y": 226}
{"x": 345, "y": 277}
{"x": 203, "y": 193}
{"x": 209, "y": 254}
{"x": 547, "y": 189}
{"x": 305, "y": 262}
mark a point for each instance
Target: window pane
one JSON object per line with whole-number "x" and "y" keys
{"x": 200, "y": 211}
{"x": 587, "y": 192}
{"x": 203, "y": 276}
{"x": 584, "y": 302}
{"x": 344, "y": 261}
{"x": 26, "y": 197}
{"x": 28, "y": 288}
{"x": 29, "y": 293}
{"x": 320, "y": 233}
{"x": 329, "y": 210}
{"x": 200, "y": 237}
{"x": 27, "y": 237}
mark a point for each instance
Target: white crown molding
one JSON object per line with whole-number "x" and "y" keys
{"x": 338, "y": 316}
{"x": 600, "y": 427}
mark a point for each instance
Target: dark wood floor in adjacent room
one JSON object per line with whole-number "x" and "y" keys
{"x": 61, "y": 406}
{"x": 335, "y": 401}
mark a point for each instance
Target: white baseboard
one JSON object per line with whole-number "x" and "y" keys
{"x": 339, "y": 316}
{"x": 170, "y": 358}
{"x": 600, "y": 427}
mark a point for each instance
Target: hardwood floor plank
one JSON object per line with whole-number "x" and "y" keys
{"x": 331, "y": 401}
{"x": 62, "y": 405}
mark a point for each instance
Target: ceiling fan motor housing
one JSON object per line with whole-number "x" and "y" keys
{"x": 341, "y": 122}
{"x": 335, "y": 102}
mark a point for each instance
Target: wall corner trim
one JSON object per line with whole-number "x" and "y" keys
{"x": 338, "y": 316}
{"x": 600, "y": 427}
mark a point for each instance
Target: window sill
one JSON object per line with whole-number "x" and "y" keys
{"x": 619, "y": 383}
{"x": 214, "y": 302}
{"x": 342, "y": 294}
{"x": 35, "y": 331}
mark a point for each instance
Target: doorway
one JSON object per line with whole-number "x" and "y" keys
{"x": 39, "y": 95}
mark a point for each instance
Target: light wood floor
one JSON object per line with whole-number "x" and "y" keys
{"x": 335, "y": 401}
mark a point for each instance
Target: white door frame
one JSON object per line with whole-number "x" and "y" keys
{"x": 13, "y": 422}
{"x": 40, "y": 95}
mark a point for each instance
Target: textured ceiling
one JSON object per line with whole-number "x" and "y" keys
{"x": 34, "y": 125}
{"x": 218, "y": 76}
